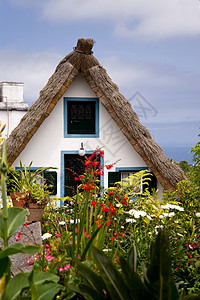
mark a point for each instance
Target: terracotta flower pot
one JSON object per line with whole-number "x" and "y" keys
{"x": 35, "y": 210}
{"x": 17, "y": 200}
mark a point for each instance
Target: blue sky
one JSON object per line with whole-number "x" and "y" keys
{"x": 150, "y": 49}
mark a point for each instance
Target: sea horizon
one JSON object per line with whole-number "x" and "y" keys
{"x": 178, "y": 153}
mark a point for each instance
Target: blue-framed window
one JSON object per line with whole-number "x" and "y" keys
{"x": 64, "y": 169}
{"x": 124, "y": 172}
{"x": 49, "y": 176}
{"x": 81, "y": 117}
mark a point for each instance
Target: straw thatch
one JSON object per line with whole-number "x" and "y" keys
{"x": 81, "y": 60}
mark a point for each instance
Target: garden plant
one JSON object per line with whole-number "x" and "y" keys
{"x": 93, "y": 240}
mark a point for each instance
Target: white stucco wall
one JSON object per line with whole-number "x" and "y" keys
{"x": 11, "y": 118}
{"x": 45, "y": 147}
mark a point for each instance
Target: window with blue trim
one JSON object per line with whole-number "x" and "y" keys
{"x": 81, "y": 117}
{"x": 122, "y": 173}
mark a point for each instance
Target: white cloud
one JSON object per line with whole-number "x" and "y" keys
{"x": 32, "y": 69}
{"x": 155, "y": 19}
{"x": 173, "y": 92}
{"x": 129, "y": 73}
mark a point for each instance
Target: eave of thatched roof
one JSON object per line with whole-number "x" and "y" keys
{"x": 82, "y": 61}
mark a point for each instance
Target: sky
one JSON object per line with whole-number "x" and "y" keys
{"x": 150, "y": 49}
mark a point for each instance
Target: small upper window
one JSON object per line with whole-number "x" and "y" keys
{"x": 81, "y": 117}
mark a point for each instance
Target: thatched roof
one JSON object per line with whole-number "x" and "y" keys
{"x": 81, "y": 60}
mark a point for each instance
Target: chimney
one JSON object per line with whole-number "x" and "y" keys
{"x": 12, "y": 92}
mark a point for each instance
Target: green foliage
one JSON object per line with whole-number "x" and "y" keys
{"x": 15, "y": 218}
{"x": 110, "y": 283}
{"x": 184, "y": 166}
{"x": 28, "y": 181}
{"x": 194, "y": 174}
{"x": 37, "y": 285}
{"x": 196, "y": 151}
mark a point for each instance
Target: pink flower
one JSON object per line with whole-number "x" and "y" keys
{"x": 67, "y": 267}
{"x": 49, "y": 257}
{"x": 18, "y": 237}
{"x": 57, "y": 234}
{"x": 60, "y": 269}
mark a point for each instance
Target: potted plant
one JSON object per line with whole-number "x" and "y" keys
{"x": 28, "y": 189}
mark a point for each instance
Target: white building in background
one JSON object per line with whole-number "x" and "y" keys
{"x": 12, "y": 105}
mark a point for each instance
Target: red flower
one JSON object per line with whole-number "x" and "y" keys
{"x": 98, "y": 172}
{"x": 112, "y": 238}
{"x": 117, "y": 261}
{"x": 78, "y": 178}
{"x": 98, "y": 222}
{"x": 111, "y": 193}
{"x": 93, "y": 203}
{"x": 108, "y": 167}
{"x": 123, "y": 202}
{"x": 99, "y": 226}
{"x": 89, "y": 163}
{"x": 105, "y": 209}
{"x": 88, "y": 187}
{"x": 112, "y": 209}
{"x": 101, "y": 153}
{"x": 108, "y": 223}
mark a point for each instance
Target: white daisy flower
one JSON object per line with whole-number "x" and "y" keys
{"x": 46, "y": 236}
{"x": 130, "y": 221}
{"x": 62, "y": 223}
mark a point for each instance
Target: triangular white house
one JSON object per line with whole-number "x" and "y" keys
{"x": 81, "y": 104}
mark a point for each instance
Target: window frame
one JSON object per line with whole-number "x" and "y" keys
{"x": 79, "y": 99}
{"x": 62, "y": 170}
{"x": 120, "y": 170}
{"x": 54, "y": 174}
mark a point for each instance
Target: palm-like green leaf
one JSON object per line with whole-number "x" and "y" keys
{"x": 131, "y": 278}
{"x": 90, "y": 243}
{"x": 158, "y": 280}
{"x": 132, "y": 259}
{"x": 111, "y": 276}
{"x": 95, "y": 281}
